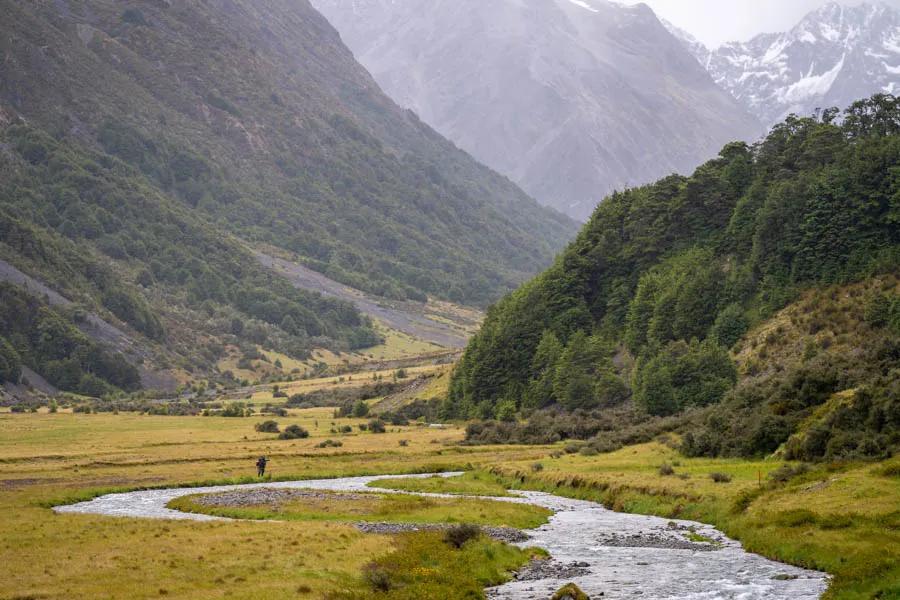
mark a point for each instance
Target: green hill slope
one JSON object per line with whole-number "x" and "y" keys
{"x": 665, "y": 279}
{"x": 145, "y": 149}
{"x": 259, "y": 119}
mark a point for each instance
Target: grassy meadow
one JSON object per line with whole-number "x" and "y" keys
{"x": 839, "y": 518}
{"x": 52, "y": 458}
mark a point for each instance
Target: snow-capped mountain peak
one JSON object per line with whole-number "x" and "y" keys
{"x": 833, "y": 56}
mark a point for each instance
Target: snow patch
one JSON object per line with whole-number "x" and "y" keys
{"x": 584, "y": 5}
{"x": 812, "y": 85}
{"x": 775, "y": 51}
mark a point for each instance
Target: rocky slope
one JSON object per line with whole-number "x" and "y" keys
{"x": 571, "y": 100}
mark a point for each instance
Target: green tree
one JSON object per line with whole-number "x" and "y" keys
{"x": 10, "y": 363}
{"x": 730, "y": 325}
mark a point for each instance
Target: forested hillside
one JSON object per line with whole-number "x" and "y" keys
{"x": 651, "y": 303}
{"x": 96, "y": 231}
{"x": 147, "y": 149}
{"x": 259, "y": 119}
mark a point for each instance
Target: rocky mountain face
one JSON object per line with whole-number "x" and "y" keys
{"x": 835, "y": 55}
{"x": 570, "y": 99}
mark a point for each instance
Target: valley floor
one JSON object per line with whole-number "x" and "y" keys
{"x": 839, "y": 518}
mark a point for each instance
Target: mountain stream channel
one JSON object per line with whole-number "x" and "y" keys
{"x": 607, "y": 554}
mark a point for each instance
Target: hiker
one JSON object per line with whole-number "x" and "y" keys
{"x": 261, "y": 465}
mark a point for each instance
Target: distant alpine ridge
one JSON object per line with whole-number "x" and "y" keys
{"x": 571, "y": 99}
{"x": 835, "y": 55}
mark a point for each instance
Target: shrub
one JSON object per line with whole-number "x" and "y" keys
{"x": 458, "y": 535}
{"x": 666, "y": 469}
{"x": 377, "y": 426}
{"x": 345, "y": 429}
{"x": 293, "y": 432}
{"x": 267, "y": 427}
{"x": 786, "y": 472}
{"x": 720, "y": 477}
{"x": 278, "y": 411}
{"x": 572, "y": 448}
{"x": 537, "y": 467}
{"x": 330, "y": 444}
{"x": 570, "y": 591}
{"x": 360, "y": 409}
{"x": 396, "y": 419}
{"x": 377, "y": 577}
{"x": 404, "y": 443}
{"x": 890, "y": 470}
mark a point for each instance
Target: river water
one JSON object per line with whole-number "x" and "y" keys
{"x": 620, "y": 555}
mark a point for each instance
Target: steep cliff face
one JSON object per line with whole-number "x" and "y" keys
{"x": 571, "y": 100}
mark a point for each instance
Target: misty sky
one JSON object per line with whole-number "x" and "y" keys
{"x": 716, "y": 21}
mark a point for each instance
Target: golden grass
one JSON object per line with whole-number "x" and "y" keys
{"x": 377, "y": 508}
{"x": 47, "y": 458}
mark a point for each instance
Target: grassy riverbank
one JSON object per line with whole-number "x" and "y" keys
{"x": 840, "y": 518}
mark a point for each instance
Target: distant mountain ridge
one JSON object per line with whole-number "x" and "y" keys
{"x": 834, "y": 55}
{"x": 571, "y": 100}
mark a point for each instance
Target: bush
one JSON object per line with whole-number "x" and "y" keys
{"x": 377, "y": 577}
{"x": 572, "y": 448}
{"x": 570, "y": 591}
{"x": 360, "y": 409}
{"x": 458, "y": 535}
{"x": 404, "y": 443}
{"x": 666, "y": 469}
{"x": 330, "y": 444}
{"x": 537, "y": 467}
{"x": 377, "y": 426}
{"x": 395, "y": 419}
{"x": 786, "y": 472}
{"x": 293, "y": 432}
{"x": 267, "y": 427}
{"x": 720, "y": 477}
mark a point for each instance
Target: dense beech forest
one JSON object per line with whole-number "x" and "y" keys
{"x": 648, "y": 305}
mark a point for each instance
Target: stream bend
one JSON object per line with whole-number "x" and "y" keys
{"x": 621, "y": 555}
